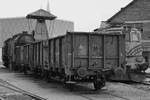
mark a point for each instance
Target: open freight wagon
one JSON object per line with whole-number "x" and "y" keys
{"x": 76, "y": 56}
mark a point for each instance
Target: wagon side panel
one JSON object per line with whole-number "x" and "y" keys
{"x": 40, "y": 53}
{"x": 68, "y": 53}
{"x": 45, "y": 55}
{"x": 51, "y": 42}
{"x": 122, "y": 52}
{"x": 21, "y": 54}
{"x": 111, "y": 51}
{"x": 80, "y": 50}
{"x": 35, "y": 54}
{"x": 25, "y": 55}
{"x": 96, "y": 51}
{"x": 63, "y": 51}
{"x": 31, "y": 56}
{"x": 17, "y": 55}
{"x": 57, "y": 53}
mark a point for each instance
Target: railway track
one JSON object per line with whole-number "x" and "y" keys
{"x": 84, "y": 92}
{"x": 145, "y": 85}
{"x": 16, "y": 89}
{"x": 97, "y": 95}
{"x": 93, "y": 97}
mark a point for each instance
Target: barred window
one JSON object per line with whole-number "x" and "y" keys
{"x": 135, "y": 35}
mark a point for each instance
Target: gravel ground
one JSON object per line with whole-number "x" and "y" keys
{"x": 56, "y": 91}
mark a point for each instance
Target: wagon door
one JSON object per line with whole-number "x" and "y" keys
{"x": 111, "y": 51}
{"x": 25, "y": 55}
{"x": 35, "y": 54}
{"x": 80, "y": 50}
{"x": 21, "y": 54}
{"x": 45, "y": 54}
{"x": 31, "y": 56}
{"x": 18, "y": 55}
{"x": 96, "y": 51}
{"x": 57, "y": 50}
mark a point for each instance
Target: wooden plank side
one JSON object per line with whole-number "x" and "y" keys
{"x": 81, "y": 50}
{"x": 64, "y": 52}
{"x": 96, "y": 51}
{"x": 45, "y": 54}
{"x": 31, "y": 55}
{"x": 122, "y": 49}
{"x": 57, "y": 62}
{"x": 111, "y": 51}
{"x": 68, "y": 51}
{"x": 60, "y": 52}
{"x": 28, "y": 54}
{"x": 25, "y": 55}
{"x": 35, "y": 55}
{"x": 40, "y": 54}
{"x": 49, "y": 53}
{"x": 52, "y": 53}
{"x": 17, "y": 55}
{"x": 21, "y": 53}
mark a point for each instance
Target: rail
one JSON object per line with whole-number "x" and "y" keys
{"x": 14, "y": 88}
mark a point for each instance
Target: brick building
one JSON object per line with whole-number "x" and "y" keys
{"x": 136, "y": 13}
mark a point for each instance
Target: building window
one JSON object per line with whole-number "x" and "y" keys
{"x": 135, "y": 35}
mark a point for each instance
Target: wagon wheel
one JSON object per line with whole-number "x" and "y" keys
{"x": 35, "y": 72}
{"x": 64, "y": 81}
{"x": 119, "y": 73}
{"x": 25, "y": 70}
{"x": 49, "y": 77}
{"x": 41, "y": 73}
{"x": 99, "y": 83}
{"x": 67, "y": 85}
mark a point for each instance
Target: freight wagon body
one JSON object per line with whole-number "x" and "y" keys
{"x": 80, "y": 52}
{"x": 12, "y": 50}
{"x": 6, "y": 52}
{"x": 77, "y": 56}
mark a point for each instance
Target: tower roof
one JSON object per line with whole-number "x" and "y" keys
{"x": 41, "y": 14}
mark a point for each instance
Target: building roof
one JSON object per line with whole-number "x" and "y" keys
{"x": 41, "y": 14}
{"x": 137, "y": 10}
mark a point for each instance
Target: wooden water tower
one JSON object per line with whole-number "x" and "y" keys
{"x": 41, "y": 31}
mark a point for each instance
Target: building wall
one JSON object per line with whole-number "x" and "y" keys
{"x": 146, "y": 31}
{"x": 135, "y": 11}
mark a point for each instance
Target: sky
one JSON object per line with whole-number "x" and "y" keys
{"x": 86, "y": 14}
